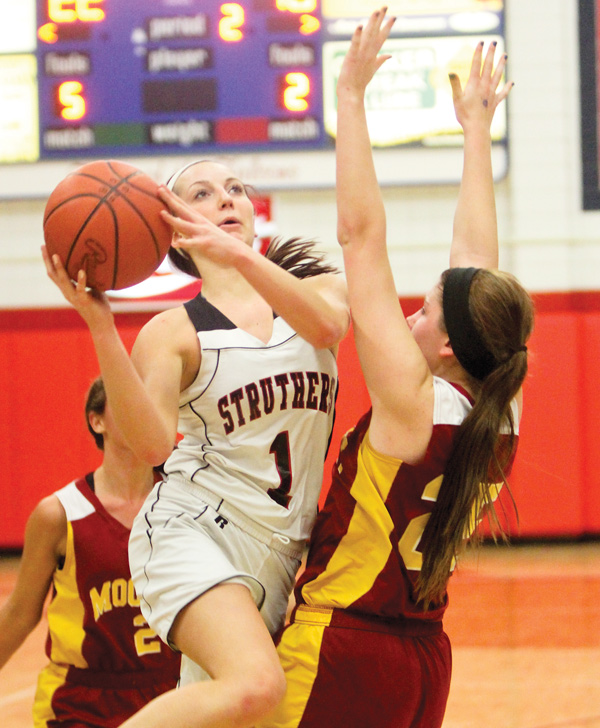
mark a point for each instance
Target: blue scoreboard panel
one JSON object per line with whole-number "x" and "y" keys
{"x": 140, "y": 78}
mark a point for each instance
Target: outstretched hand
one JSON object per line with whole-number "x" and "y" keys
{"x": 363, "y": 60}
{"x": 477, "y": 102}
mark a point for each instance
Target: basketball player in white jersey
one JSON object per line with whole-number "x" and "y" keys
{"x": 249, "y": 380}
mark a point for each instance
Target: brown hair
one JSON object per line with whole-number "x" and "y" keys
{"x": 95, "y": 402}
{"x": 299, "y": 257}
{"x": 296, "y": 255}
{"x": 503, "y": 314}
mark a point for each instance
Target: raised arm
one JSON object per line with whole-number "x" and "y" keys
{"x": 396, "y": 373}
{"x": 475, "y": 232}
{"x": 144, "y": 398}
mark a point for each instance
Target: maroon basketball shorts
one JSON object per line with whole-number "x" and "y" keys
{"x": 345, "y": 671}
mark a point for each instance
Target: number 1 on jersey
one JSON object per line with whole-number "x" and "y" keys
{"x": 280, "y": 449}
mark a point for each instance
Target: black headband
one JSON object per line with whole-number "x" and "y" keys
{"x": 467, "y": 344}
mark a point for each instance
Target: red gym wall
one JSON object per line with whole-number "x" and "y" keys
{"x": 47, "y": 363}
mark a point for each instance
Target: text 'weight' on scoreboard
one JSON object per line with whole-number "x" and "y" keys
{"x": 106, "y": 78}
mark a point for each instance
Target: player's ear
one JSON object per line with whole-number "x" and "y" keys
{"x": 96, "y": 422}
{"x": 446, "y": 349}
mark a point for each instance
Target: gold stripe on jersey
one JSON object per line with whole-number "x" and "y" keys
{"x": 66, "y": 611}
{"x": 50, "y": 680}
{"x": 477, "y": 515}
{"x": 352, "y": 569}
{"x": 299, "y": 657}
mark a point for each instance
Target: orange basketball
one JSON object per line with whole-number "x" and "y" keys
{"x": 104, "y": 218}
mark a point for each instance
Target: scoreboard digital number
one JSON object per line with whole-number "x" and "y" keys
{"x": 137, "y": 78}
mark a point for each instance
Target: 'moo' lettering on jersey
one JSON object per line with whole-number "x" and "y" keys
{"x": 293, "y": 390}
{"x": 117, "y": 593}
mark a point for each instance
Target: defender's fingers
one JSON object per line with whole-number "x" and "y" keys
{"x": 385, "y": 30}
{"x": 373, "y": 27}
{"x": 499, "y": 71}
{"x": 456, "y": 86}
{"x": 488, "y": 63}
{"x": 380, "y": 60}
{"x": 475, "y": 71}
{"x": 355, "y": 40}
{"x": 504, "y": 91}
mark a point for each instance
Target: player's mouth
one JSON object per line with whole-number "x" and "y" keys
{"x": 229, "y": 223}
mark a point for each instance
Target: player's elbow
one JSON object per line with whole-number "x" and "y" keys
{"x": 153, "y": 452}
{"x": 347, "y": 231}
{"x": 360, "y": 232}
{"x": 155, "y": 456}
{"x": 335, "y": 332}
{"x": 331, "y": 329}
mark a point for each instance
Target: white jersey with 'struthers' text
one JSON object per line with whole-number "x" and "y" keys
{"x": 257, "y": 420}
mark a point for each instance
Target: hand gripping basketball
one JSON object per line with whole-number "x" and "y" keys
{"x": 104, "y": 218}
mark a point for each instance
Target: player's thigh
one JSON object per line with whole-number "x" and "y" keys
{"x": 223, "y": 632}
{"x": 176, "y": 558}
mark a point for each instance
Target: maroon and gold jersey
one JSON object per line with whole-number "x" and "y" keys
{"x": 105, "y": 662}
{"x": 364, "y": 553}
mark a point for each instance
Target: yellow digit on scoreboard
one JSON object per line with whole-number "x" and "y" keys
{"x": 297, "y": 6}
{"x": 298, "y": 88}
{"x": 68, "y": 11}
{"x": 231, "y": 22}
{"x": 70, "y": 97}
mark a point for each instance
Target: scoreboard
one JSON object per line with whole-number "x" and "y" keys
{"x": 84, "y": 79}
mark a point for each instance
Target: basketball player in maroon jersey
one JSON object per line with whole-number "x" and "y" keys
{"x": 104, "y": 661}
{"x": 366, "y": 646}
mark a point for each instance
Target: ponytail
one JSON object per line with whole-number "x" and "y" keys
{"x": 298, "y": 257}
{"x": 502, "y": 313}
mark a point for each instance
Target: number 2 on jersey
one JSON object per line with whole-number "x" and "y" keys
{"x": 280, "y": 449}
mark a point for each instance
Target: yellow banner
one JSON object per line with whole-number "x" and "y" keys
{"x": 19, "y": 140}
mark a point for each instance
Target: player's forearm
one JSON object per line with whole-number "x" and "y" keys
{"x": 475, "y": 230}
{"x": 15, "y": 626}
{"x": 320, "y": 318}
{"x": 360, "y": 210}
{"x": 136, "y": 415}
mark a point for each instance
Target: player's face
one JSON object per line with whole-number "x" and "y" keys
{"x": 426, "y": 329}
{"x": 220, "y": 196}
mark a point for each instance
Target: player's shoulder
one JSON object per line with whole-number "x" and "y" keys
{"x": 169, "y": 317}
{"x": 48, "y": 516}
{"x": 167, "y": 327}
{"x": 451, "y": 403}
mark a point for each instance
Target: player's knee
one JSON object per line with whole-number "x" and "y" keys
{"x": 262, "y": 694}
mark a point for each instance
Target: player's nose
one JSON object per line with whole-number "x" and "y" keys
{"x": 225, "y": 199}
